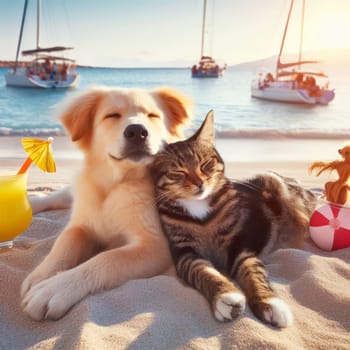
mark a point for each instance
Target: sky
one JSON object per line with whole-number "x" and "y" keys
{"x": 126, "y": 33}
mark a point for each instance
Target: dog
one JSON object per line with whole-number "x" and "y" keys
{"x": 113, "y": 234}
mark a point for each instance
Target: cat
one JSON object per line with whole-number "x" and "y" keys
{"x": 218, "y": 229}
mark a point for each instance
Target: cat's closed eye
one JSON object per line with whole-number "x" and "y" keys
{"x": 176, "y": 175}
{"x": 208, "y": 167}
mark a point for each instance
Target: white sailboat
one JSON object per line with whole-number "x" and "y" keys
{"x": 295, "y": 85}
{"x": 207, "y": 67}
{"x": 46, "y": 70}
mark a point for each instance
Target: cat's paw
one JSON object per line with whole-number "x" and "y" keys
{"x": 278, "y": 313}
{"x": 229, "y": 305}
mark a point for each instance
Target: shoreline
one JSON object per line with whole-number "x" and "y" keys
{"x": 243, "y": 158}
{"x": 241, "y": 149}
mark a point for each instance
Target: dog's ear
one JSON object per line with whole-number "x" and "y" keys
{"x": 78, "y": 115}
{"x": 177, "y": 108}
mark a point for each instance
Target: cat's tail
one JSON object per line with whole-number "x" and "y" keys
{"x": 287, "y": 199}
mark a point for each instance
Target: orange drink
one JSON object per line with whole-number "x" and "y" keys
{"x": 15, "y": 209}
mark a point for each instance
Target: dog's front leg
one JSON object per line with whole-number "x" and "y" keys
{"x": 74, "y": 245}
{"x": 53, "y": 297}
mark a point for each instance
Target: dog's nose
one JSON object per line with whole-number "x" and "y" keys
{"x": 136, "y": 133}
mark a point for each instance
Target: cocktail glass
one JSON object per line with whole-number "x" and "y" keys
{"x": 15, "y": 209}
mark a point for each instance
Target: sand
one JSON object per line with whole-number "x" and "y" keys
{"x": 161, "y": 313}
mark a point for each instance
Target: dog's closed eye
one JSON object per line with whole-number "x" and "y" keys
{"x": 153, "y": 115}
{"x": 113, "y": 115}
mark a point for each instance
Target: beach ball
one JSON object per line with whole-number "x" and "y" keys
{"x": 330, "y": 226}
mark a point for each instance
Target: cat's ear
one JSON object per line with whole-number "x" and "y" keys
{"x": 206, "y": 132}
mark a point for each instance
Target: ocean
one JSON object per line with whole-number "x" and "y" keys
{"x": 32, "y": 111}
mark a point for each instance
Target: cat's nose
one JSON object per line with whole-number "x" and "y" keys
{"x": 199, "y": 183}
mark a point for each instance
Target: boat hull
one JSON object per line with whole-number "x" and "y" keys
{"x": 207, "y": 73}
{"x": 20, "y": 78}
{"x": 207, "y": 68}
{"x": 282, "y": 92}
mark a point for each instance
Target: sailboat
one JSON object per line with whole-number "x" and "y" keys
{"x": 207, "y": 67}
{"x": 47, "y": 69}
{"x": 295, "y": 85}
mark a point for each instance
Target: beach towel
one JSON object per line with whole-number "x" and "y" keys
{"x": 162, "y": 313}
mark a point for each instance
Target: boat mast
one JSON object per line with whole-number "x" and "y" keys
{"x": 284, "y": 37}
{"x": 301, "y": 33}
{"x": 203, "y": 26}
{"x": 21, "y": 32}
{"x": 38, "y": 24}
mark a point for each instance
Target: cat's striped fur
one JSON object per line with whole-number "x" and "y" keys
{"x": 218, "y": 229}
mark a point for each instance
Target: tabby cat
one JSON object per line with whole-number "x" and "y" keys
{"x": 217, "y": 228}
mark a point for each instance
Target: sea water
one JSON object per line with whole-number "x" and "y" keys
{"x": 27, "y": 111}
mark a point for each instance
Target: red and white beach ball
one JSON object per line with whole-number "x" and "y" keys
{"x": 330, "y": 226}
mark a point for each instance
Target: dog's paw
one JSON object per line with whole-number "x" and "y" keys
{"x": 29, "y": 282}
{"x": 277, "y": 313}
{"x": 229, "y": 305}
{"x": 41, "y": 273}
{"x": 51, "y": 298}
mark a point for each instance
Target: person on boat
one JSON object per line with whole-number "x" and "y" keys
{"x": 312, "y": 81}
{"x": 64, "y": 71}
{"x": 53, "y": 71}
{"x": 268, "y": 79}
{"x": 311, "y": 86}
{"x": 300, "y": 80}
{"x": 41, "y": 76}
{"x": 47, "y": 65}
{"x": 203, "y": 68}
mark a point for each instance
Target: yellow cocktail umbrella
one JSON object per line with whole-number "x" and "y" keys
{"x": 40, "y": 153}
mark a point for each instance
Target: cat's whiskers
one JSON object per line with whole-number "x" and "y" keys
{"x": 162, "y": 196}
{"x": 170, "y": 194}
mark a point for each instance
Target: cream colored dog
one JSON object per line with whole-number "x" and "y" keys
{"x": 113, "y": 234}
